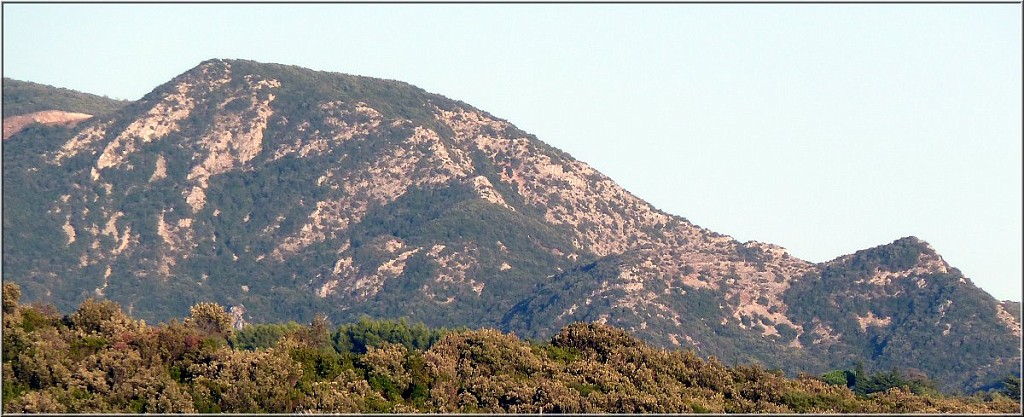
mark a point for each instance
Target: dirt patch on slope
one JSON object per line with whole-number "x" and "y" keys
{"x": 15, "y": 124}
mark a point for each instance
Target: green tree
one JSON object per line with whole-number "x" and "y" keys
{"x": 245, "y": 382}
{"x": 103, "y": 318}
{"x": 359, "y": 337}
{"x": 11, "y": 295}
{"x": 386, "y": 371}
{"x": 1011, "y": 388}
{"x": 839, "y": 377}
{"x": 262, "y": 336}
{"x": 210, "y": 319}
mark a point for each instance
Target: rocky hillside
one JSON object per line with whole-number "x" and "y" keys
{"x": 282, "y": 192}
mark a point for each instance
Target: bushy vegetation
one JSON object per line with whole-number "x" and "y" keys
{"x": 98, "y": 359}
{"x": 23, "y": 97}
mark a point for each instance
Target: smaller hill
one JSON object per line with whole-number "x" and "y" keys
{"x": 24, "y": 97}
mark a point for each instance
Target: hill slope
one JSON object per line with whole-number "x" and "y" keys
{"x": 282, "y": 192}
{"x": 25, "y": 103}
{"x": 24, "y": 97}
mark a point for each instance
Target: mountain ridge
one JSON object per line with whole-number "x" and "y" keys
{"x": 24, "y": 97}
{"x": 281, "y": 191}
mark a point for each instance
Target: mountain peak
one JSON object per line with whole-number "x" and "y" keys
{"x": 901, "y": 255}
{"x": 914, "y": 240}
{"x": 293, "y": 192}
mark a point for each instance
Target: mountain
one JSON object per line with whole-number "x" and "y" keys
{"x": 282, "y": 192}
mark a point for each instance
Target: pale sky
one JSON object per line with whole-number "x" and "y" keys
{"x": 822, "y": 128}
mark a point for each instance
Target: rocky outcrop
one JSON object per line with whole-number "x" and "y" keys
{"x": 15, "y": 124}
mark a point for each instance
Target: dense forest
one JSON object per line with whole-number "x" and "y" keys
{"x": 99, "y": 359}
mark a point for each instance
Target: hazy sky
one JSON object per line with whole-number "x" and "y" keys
{"x": 822, "y": 128}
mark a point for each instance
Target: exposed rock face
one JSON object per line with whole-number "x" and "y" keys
{"x": 329, "y": 193}
{"x": 1009, "y": 315}
{"x": 14, "y": 124}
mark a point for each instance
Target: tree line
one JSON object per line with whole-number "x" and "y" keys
{"x": 98, "y": 359}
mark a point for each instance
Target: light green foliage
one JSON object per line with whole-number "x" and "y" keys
{"x": 45, "y": 401}
{"x": 11, "y": 295}
{"x": 386, "y": 369}
{"x": 97, "y": 360}
{"x": 210, "y": 318}
{"x": 103, "y": 318}
{"x": 348, "y": 393}
{"x": 245, "y": 381}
